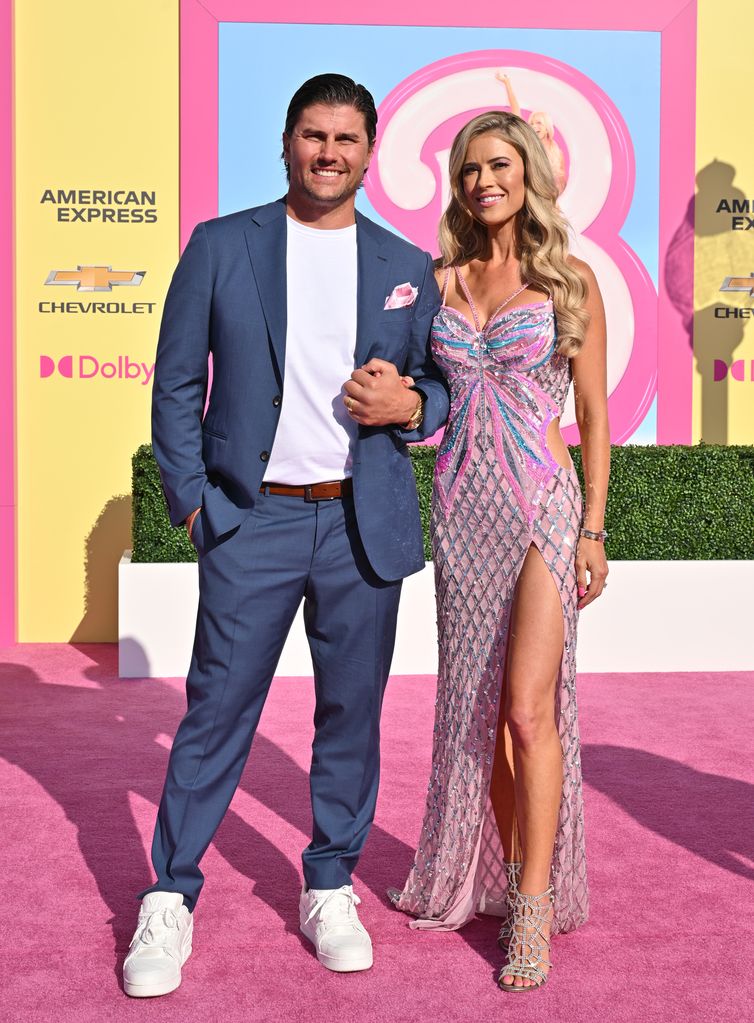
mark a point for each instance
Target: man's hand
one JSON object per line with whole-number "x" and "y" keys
{"x": 377, "y": 396}
{"x": 190, "y": 521}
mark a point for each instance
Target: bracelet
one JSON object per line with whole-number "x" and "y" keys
{"x": 417, "y": 416}
{"x": 591, "y": 534}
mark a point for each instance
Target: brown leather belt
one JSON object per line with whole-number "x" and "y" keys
{"x": 330, "y": 491}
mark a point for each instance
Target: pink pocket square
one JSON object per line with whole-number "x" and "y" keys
{"x": 403, "y": 295}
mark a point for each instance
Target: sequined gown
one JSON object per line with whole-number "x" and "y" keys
{"x": 497, "y": 490}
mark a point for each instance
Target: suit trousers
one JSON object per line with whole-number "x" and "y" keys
{"x": 251, "y": 584}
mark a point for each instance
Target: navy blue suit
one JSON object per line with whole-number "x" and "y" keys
{"x": 261, "y": 554}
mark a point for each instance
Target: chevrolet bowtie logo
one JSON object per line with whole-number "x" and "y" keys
{"x": 96, "y": 278}
{"x": 739, "y": 284}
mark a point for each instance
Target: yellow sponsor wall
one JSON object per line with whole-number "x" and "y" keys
{"x": 97, "y": 187}
{"x": 96, "y": 112}
{"x": 724, "y": 238}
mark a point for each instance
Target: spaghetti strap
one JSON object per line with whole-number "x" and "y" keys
{"x": 467, "y": 296}
{"x": 470, "y": 300}
{"x": 507, "y": 301}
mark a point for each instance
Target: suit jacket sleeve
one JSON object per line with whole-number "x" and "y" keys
{"x": 419, "y": 363}
{"x": 180, "y": 380}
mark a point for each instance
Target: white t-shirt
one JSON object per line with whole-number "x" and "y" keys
{"x": 315, "y": 434}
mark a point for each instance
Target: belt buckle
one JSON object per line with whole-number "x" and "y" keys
{"x": 311, "y": 499}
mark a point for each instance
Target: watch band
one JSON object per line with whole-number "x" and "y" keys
{"x": 417, "y": 417}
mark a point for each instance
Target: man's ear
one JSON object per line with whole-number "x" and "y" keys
{"x": 286, "y": 148}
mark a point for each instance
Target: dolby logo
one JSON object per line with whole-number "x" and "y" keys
{"x": 89, "y": 367}
{"x": 741, "y": 370}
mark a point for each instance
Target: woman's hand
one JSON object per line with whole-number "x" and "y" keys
{"x": 505, "y": 81}
{"x": 592, "y": 563}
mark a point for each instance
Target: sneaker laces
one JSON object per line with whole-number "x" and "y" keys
{"x": 157, "y": 928}
{"x": 336, "y": 907}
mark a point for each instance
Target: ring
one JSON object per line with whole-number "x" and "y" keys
{"x": 349, "y": 403}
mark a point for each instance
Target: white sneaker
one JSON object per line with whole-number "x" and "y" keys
{"x": 329, "y": 920}
{"x": 160, "y": 946}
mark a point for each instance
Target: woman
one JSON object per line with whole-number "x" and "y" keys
{"x": 503, "y": 828}
{"x": 544, "y": 129}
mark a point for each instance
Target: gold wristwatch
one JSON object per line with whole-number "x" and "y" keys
{"x": 417, "y": 417}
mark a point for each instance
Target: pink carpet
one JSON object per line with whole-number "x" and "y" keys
{"x": 669, "y": 775}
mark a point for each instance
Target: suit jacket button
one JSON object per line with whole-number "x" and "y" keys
{"x": 264, "y": 455}
{"x": 276, "y": 401}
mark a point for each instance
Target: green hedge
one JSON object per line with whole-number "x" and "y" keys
{"x": 679, "y": 503}
{"x": 665, "y": 503}
{"x": 154, "y": 539}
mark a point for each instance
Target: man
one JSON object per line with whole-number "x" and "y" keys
{"x": 296, "y": 485}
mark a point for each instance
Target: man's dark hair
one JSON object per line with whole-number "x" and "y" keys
{"x": 333, "y": 90}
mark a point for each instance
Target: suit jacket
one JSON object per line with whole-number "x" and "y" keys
{"x": 228, "y": 298}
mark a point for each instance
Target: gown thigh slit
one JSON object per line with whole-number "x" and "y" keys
{"x": 497, "y": 491}
{"x": 504, "y": 801}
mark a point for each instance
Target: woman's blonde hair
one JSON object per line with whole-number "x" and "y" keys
{"x": 546, "y": 120}
{"x": 541, "y": 229}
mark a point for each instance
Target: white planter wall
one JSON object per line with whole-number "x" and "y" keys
{"x": 654, "y": 616}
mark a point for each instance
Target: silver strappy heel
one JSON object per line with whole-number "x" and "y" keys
{"x": 513, "y": 872}
{"x": 527, "y": 942}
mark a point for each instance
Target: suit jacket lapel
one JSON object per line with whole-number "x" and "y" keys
{"x": 372, "y": 266}
{"x": 266, "y": 243}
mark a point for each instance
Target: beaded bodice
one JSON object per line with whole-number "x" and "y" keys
{"x": 507, "y": 383}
